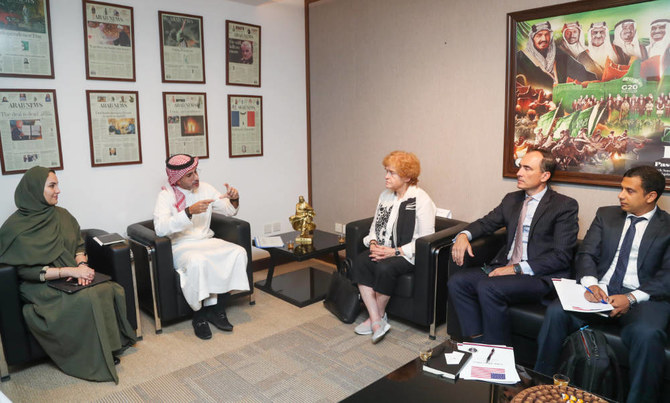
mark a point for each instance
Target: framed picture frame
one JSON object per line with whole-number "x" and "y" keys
{"x": 588, "y": 81}
{"x": 109, "y": 41}
{"x": 243, "y": 54}
{"x": 114, "y": 127}
{"x": 182, "y": 48}
{"x": 245, "y": 126}
{"x": 29, "y": 131}
{"x": 185, "y": 119}
{"x": 25, "y": 39}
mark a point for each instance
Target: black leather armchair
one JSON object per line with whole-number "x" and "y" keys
{"x": 17, "y": 344}
{"x": 158, "y": 282}
{"x": 527, "y": 318}
{"x": 419, "y": 297}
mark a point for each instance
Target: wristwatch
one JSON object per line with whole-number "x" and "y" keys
{"x": 517, "y": 269}
{"x": 632, "y": 301}
{"x": 397, "y": 252}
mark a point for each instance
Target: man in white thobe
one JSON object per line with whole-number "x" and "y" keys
{"x": 208, "y": 267}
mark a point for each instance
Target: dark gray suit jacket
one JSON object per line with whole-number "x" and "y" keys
{"x": 553, "y": 231}
{"x": 653, "y": 262}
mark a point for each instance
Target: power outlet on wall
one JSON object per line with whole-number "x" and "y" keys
{"x": 276, "y": 226}
{"x": 339, "y": 228}
{"x": 267, "y": 229}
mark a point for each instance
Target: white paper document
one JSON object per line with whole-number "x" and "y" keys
{"x": 268, "y": 242}
{"x": 572, "y": 298}
{"x": 453, "y": 358}
{"x": 490, "y": 363}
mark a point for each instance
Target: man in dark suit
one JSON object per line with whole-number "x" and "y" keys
{"x": 627, "y": 249}
{"x": 541, "y": 236}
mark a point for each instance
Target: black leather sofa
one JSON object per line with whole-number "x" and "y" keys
{"x": 527, "y": 318}
{"x": 18, "y": 345}
{"x": 419, "y": 297}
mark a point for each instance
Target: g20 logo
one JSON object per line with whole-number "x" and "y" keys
{"x": 629, "y": 87}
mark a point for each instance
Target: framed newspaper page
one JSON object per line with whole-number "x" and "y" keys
{"x": 243, "y": 54}
{"x": 245, "y": 126}
{"x": 25, "y": 39}
{"x": 114, "y": 127}
{"x": 588, "y": 81}
{"x": 182, "y": 48}
{"x": 109, "y": 41}
{"x": 185, "y": 118}
{"x": 29, "y": 133}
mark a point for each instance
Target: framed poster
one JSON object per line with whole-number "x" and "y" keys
{"x": 109, "y": 41}
{"x": 25, "y": 39}
{"x": 114, "y": 127}
{"x": 586, "y": 81}
{"x": 29, "y": 133}
{"x": 182, "y": 49}
{"x": 243, "y": 54}
{"x": 245, "y": 126}
{"x": 185, "y": 118}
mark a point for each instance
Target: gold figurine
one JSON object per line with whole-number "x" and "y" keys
{"x": 303, "y": 221}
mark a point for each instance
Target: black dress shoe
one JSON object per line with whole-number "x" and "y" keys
{"x": 117, "y": 360}
{"x": 220, "y": 320}
{"x": 201, "y": 329}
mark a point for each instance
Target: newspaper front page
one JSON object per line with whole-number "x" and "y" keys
{"x": 182, "y": 48}
{"x": 186, "y": 123}
{"x": 114, "y": 128}
{"x": 24, "y": 38}
{"x": 246, "y": 132}
{"x": 244, "y": 57}
{"x": 109, "y": 33}
{"x": 29, "y": 130}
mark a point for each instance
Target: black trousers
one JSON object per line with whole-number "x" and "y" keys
{"x": 482, "y": 302}
{"x": 643, "y": 333}
{"x": 381, "y": 276}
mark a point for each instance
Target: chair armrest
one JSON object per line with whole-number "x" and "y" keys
{"x": 12, "y": 325}
{"x": 484, "y": 250}
{"x": 231, "y": 229}
{"x": 355, "y": 232}
{"x": 113, "y": 260}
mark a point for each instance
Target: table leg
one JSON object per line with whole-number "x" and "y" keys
{"x": 271, "y": 269}
{"x": 336, "y": 257}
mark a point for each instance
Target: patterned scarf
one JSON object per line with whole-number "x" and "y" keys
{"x": 176, "y": 167}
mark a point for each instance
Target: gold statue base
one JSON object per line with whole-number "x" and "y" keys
{"x": 303, "y": 240}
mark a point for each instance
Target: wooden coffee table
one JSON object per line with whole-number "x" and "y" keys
{"x": 305, "y": 286}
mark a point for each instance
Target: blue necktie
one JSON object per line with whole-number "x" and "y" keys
{"x": 616, "y": 282}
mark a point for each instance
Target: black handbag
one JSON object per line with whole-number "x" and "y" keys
{"x": 343, "y": 298}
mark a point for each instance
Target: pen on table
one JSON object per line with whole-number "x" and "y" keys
{"x": 490, "y": 355}
{"x": 592, "y": 293}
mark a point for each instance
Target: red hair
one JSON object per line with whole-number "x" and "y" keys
{"x": 406, "y": 164}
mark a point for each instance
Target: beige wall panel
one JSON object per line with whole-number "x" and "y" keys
{"x": 426, "y": 76}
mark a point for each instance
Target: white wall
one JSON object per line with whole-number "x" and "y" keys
{"x": 110, "y": 198}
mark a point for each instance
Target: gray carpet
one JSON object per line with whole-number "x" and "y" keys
{"x": 321, "y": 360}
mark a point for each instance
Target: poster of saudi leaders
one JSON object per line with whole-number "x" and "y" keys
{"x": 589, "y": 81}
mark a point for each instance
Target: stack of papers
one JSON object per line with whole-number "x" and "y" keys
{"x": 572, "y": 298}
{"x": 268, "y": 242}
{"x": 490, "y": 363}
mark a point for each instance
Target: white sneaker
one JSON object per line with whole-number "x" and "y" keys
{"x": 381, "y": 332}
{"x": 364, "y": 329}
